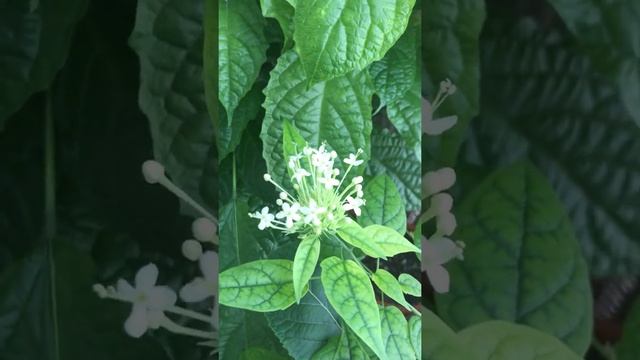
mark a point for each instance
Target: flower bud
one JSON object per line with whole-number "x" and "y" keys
{"x": 153, "y": 171}
{"x": 100, "y": 290}
{"x": 441, "y": 203}
{"x": 437, "y": 181}
{"x": 191, "y": 249}
{"x": 267, "y": 177}
{"x": 204, "y": 229}
{"x": 446, "y": 224}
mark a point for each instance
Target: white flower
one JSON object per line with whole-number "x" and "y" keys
{"x": 265, "y": 218}
{"x": 312, "y": 212}
{"x": 267, "y": 177}
{"x": 329, "y": 182}
{"x": 152, "y": 171}
{"x": 358, "y": 180}
{"x": 204, "y": 230}
{"x": 353, "y": 204}
{"x": 438, "y": 126}
{"x": 435, "y": 253}
{"x": 293, "y": 160}
{"x": 300, "y": 174}
{"x": 191, "y": 249}
{"x": 149, "y": 301}
{"x": 290, "y": 212}
{"x": 201, "y": 288}
{"x": 437, "y": 181}
{"x": 353, "y": 160}
{"x": 446, "y": 223}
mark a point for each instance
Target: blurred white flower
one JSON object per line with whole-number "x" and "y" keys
{"x": 149, "y": 301}
{"x": 435, "y": 253}
{"x": 206, "y": 286}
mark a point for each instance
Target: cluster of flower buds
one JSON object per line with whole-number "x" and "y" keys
{"x": 321, "y": 197}
{"x": 151, "y": 302}
{"x": 438, "y": 248}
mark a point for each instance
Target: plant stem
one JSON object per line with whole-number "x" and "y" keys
{"x": 190, "y": 314}
{"x": 179, "y": 329}
{"x": 50, "y": 213}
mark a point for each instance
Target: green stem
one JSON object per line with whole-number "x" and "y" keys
{"x": 50, "y": 212}
{"x": 233, "y": 169}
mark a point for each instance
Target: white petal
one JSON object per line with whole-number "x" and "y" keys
{"x": 438, "y": 126}
{"x": 125, "y": 290}
{"x": 439, "y": 251}
{"x": 136, "y": 324}
{"x": 209, "y": 265}
{"x": 154, "y": 318}
{"x": 197, "y": 290}
{"x": 146, "y": 277}
{"x": 161, "y": 297}
{"x": 439, "y": 278}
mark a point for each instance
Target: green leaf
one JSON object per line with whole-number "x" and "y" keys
{"x": 415, "y": 335}
{"x": 355, "y": 235}
{"x": 337, "y": 37}
{"x": 292, "y": 142}
{"x": 405, "y": 114}
{"x": 242, "y": 50}
{"x": 37, "y": 37}
{"x": 410, "y": 285}
{"x": 282, "y": 11}
{"x": 384, "y": 205}
{"x": 311, "y": 317}
{"x": 435, "y": 335}
{"x": 395, "y": 334}
{"x": 390, "y": 286}
{"x": 578, "y": 134}
{"x": 337, "y": 111}
{"x": 168, "y": 39}
{"x": 261, "y": 285}
{"x": 450, "y": 48}
{"x": 606, "y": 31}
{"x": 396, "y": 73}
{"x": 522, "y": 261}
{"x": 350, "y": 292}
{"x": 499, "y": 340}
{"x": 390, "y": 156}
{"x": 627, "y": 347}
{"x": 255, "y": 353}
{"x": 389, "y": 240}
{"x": 343, "y": 347}
{"x": 304, "y": 264}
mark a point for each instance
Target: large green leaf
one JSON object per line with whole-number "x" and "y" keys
{"x": 304, "y": 263}
{"x": 394, "y": 75}
{"x": 242, "y": 50}
{"x": 390, "y": 156}
{"x": 415, "y": 334}
{"x": 283, "y": 12}
{"x": 405, "y": 114}
{"x": 390, "y": 287}
{"x": 450, "y": 49}
{"x": 389, "y": 240}
{"x": 350, "y": 292}
{"x": 261, "y": 285}
{"x": 355, "y": 235}
{"x": 312, "y": 317}
{"x": 395, "y": 334}
{"x": 337, "y": 111}
{"x": 499, "y": 340}
{"x": 36, "y": 36}
{"x": 548, "y": 104}
{"x": 522, "y": 261}
{"x": 435, "y": 334}
{"x": 336, "y": 37}
{"x": 343, "y": 347}
{"x": 168, "y": 38}
{"x": 607, "y": 31}
{"x": 384, "y": 206}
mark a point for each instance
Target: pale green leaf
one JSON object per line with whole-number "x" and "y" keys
{"x": 405, "y": 113}
{"x": 356, "y": 236}
{"x": 343, "y": 347}
{"x": 261, "y": 285}
{"x": 410, "y": 285}
{"x": 435, "y": 334}
{"x": 390, "y": 287}
{"x": 242, "y": 50}
{"x": 337, "y": 112}
{"x": 282, "y": 11}
{"x": 415, "y": 335}
{"x": 384, "y": 206}
{"x": 522, "y": 261}
{"x": 395, "y": 334}
{"x": 350, "y": 292}
{"x": 336, "y": 37}
{"x": 389, "y": 240}
{"x": 304, "y": 263}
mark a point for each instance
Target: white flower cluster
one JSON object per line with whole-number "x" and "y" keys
{"x": 151, "y": 302}
{"x": 322, "y": 195}
{"x": 438, "y": 249}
